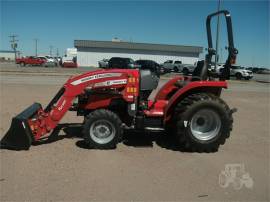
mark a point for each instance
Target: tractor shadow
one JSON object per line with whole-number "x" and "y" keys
{"x": 71, "y": 130}
{"x": 137, "y": 139}
{"x": 147, "y": 139}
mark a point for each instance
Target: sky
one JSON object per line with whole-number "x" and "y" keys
{"x": 59, "y": 23}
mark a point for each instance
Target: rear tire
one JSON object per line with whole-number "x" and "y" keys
{"x": 102, "y": 129}
{"x": 238, "y": 76}
{"x": 175, "y": 69}
{"x": 185, "y": 71}
{"x": 203, "y": 122}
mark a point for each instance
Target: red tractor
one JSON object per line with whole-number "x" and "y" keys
{"x": 115, "y": 100}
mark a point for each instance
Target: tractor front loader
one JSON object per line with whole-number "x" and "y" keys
{"x": 115, "y": 100}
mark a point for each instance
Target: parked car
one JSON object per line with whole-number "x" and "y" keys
{"x": 58, "y": 59}
{"x": 173, "y": 65}
{"x": 122, "y": 63}
{"x": 51, "y": 59}
{"x": 188, "y": 68}
{"x": 259, "y": 70}
{"x": 103, "y": 63}
{"x": 152, "y": 66}
{"x": 48, "y": 62}
{"x": 251, "y": 69}
{"x": 254, "y": 69}
{"x": 240, "y": 72}
{"x": 69, "y": 62}
{"x": 31, "y": 60}
{"x": 237, "y": 71}
{"x": 178, "y": 66}
{"x": 218, "y": 68}
{"x": 263, "y": 71}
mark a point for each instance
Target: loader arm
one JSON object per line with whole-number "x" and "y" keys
{"x": 36, "y": 122}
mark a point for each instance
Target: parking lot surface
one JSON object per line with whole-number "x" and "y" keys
{"x": 145, "y": 166}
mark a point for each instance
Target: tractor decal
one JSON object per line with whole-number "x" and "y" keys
{"x": 93, "y": 77}
{"x": 236, "y": 175}
{"x": 110, "y": 83}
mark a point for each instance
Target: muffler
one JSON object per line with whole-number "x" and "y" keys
{"x": 19, "y": 135}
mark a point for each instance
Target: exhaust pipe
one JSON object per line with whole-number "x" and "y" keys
{"x": 19, "y": 135}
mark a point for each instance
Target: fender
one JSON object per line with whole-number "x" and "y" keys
{"x": 166, "y": 89}
{"x": 214, "y": 87}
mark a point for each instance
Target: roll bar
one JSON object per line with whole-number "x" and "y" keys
{"x": 229, "y": 28}
{"x": 232, "y": 51}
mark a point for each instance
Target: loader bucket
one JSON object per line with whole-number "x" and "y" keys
{"x": 19, "y": 135}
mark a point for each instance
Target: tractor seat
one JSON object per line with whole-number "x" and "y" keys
{"x": 148, "y": 82}
{"x": 197, "y": 73}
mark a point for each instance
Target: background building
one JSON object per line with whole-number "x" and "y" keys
{"x": 90, "y": 52}
{"x": 6, "y": 55}
{"x": 71, "y": 52}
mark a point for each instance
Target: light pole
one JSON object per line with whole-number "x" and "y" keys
{"x": 51, "y": 47}
{"x": 36, "y": 47}
{"x": 14, "y": 44}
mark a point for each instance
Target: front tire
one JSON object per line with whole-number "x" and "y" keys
{"x": 102, "y": 129}
{"x": 203, "y": 122}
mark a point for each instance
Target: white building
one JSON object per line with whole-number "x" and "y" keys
{"x": 7, "y": 55}
{"x": 71, "y": 52}
{"x": 90, "y": 52}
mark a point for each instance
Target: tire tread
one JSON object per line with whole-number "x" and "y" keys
{"x": 102, "y": 113}
{"x": 188, "y": 103}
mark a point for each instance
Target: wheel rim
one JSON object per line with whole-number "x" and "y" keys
{"x": 205, "y": 124}
{"x": 102, "y": 131}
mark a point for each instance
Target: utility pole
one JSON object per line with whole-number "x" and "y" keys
{"x": 51, "y": 47}
{"x": 36, "y": 47}
{"x": 253, "y": 59}
{"x": 57, "y": 52}
{"x": 14, "y": 43}
{"x": 217, "y": 36}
